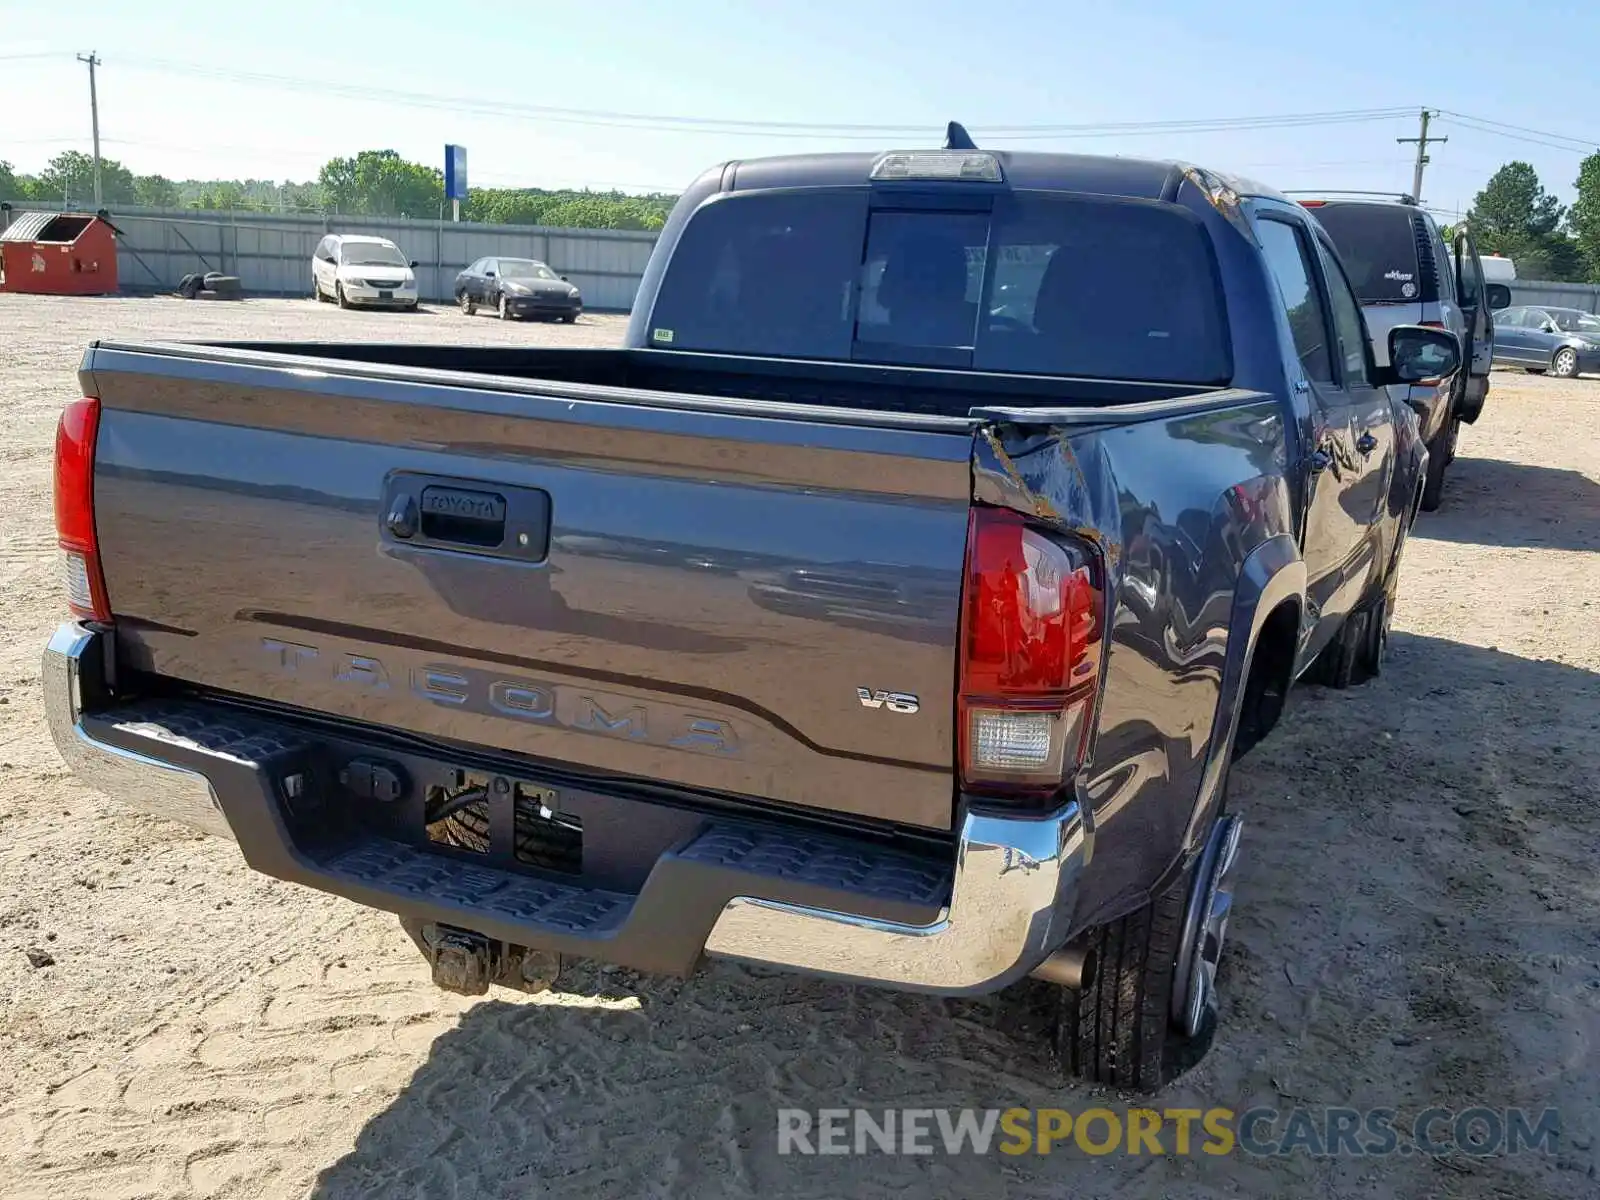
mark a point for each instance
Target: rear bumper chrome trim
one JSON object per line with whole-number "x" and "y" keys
{"x": 1012, "y": 895}
{"x": 158, "y": 788}
{"x": 1015, "y": 882}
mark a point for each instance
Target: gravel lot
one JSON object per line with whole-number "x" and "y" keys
{"x": 1419, "y": 920}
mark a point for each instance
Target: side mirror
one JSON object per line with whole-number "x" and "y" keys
{"x": 564, "y": 279}
{"x": 415, "y": 264}
{"x": 1498, "y": 295}
{"x": 1417, "y": 352}
{"x": 488, "y": 274}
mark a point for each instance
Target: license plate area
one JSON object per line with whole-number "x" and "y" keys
{"x": 495, "y": 818}
{"x": 385, "y": 295}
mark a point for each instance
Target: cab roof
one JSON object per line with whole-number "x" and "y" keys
{"x": 1107, "y": 175}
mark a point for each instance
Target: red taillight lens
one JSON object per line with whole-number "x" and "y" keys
{"x": 1030, "y": 656}
{"x": 75, "y": 438}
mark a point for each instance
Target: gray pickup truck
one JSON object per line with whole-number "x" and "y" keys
{"x": 890, "y": 607}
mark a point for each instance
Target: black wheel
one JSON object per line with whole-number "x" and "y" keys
{"x": 412, "y": 307}
{"x": 1151, "y": 999}
{"x": 1564, "y": 364}
{"x": 505, "y": 308}
{"x": 467, "y": 303}
{"x": 338, "y": 293}
{"x": 1337, "y": 666}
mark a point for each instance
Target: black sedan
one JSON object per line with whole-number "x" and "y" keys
{"x": 1563, "y": 341}
{"x": 516, "y": 288}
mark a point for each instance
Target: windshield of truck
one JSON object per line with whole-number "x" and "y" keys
{"x": 371, "y": 254}
{"x": 1042, "y": 284}
{"x": 1378, "y": 245}
{"x": 525, "y": 268}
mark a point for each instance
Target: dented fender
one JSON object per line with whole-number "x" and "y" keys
{"x": 1187, "y": 509}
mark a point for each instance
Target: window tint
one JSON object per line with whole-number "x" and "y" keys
{"x": 764, "y": 274}
{"x": 1109, "y": 289}
{"x": 1447, "y": 271}
{"x": 1467, "y": 270}
{"x": 1378, "y": 245}
{"x": 1119, "y": 290}
{"x": 1346, "y": 322}
{"x": 922, "y": 281}
{"x": 1289, "y": 260}
{"x": 1510, "y": 318}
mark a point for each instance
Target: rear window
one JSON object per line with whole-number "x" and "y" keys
{"x": 1378, "y": 245}
{"x": 1038, "y": 284}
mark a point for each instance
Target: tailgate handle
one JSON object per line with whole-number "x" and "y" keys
{"x": 463, "y": 517}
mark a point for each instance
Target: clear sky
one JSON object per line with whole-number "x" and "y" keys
{"x": 482, "y": 71}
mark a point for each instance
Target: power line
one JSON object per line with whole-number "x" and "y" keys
{"x": 1520, "y": 133}
{"x": 660, "y": 122}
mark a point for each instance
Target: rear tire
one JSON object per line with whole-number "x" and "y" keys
{"x": 1440, "y": 451}
{"x": 1564, "y": 364}
{"x": 1116, "y": 1030}
{"x": 1151, "y": 1003}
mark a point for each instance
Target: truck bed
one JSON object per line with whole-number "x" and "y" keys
{"x": 685, "y": 588}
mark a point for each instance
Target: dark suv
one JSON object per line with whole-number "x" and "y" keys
{"x": 1404, "y": 273}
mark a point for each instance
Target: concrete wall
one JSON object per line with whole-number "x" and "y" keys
{"x": 1556, "y": 295}
{"x": 271, "y": 252}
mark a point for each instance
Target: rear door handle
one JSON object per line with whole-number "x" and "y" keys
{"x": 1366, "y": 444}
{"x": 466, "y": 515}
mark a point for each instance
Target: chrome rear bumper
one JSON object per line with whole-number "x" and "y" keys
{"x": 1011, "y": 897}
{"x": 159, "y": 788}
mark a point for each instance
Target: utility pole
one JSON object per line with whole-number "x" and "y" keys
{"x": 94, "y": 118}
{"x": 1422, "y": 139}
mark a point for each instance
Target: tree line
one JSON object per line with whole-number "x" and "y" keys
{"x": 371, "y": 183}
{"x": 1513, "y": 215}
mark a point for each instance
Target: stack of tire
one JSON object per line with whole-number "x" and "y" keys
{"x": 213, "y": 285}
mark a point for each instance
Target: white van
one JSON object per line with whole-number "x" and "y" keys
{"x": 1498, "y": 269}
{"x": 355, "y": 269}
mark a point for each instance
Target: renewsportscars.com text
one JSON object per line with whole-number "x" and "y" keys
{"x": 1321, "y": 1132}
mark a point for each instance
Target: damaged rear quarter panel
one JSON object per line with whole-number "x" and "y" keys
{"x": 1172, "y": 506}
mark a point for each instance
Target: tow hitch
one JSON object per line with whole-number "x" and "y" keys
{"x": 467, "y": 962}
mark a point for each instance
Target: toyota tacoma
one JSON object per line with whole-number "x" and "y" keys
{"x": 889, "y": 607}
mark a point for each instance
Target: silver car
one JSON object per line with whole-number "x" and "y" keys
{"x": 1404, "y": 273}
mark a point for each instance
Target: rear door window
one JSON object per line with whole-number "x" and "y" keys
{"x": 1035, "y": 283}
{"x": 1289, "y": 257}
{"x": 1378, "y": 245}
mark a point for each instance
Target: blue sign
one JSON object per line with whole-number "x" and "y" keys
{"x": 455, "y": 172}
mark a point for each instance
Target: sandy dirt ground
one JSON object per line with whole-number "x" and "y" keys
{"x": 1419, "y": 920}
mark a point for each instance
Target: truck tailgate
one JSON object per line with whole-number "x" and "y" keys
{"x": 678, "y": 593}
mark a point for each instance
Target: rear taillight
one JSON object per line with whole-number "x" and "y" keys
{"x": 1030, "y": 657}
{"x": 75, "y": 438}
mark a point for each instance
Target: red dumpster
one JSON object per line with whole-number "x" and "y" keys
{"x": 58, "y": 254}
